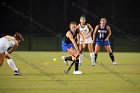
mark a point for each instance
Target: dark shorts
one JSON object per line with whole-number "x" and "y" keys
{"x": 100, "y": 43}
{"x": 66, "y": 46}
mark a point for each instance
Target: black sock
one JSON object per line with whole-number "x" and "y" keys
{"x": 76, "y": 65}
{"x": 68, "y": 58}
{"x": 111, "y": 56}
{"x": 95, "y": 57}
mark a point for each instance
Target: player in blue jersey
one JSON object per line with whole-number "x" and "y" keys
{"x": 101, "y": 35}
{"x": 86, "y": 29}
{"x": 69, "y": 45}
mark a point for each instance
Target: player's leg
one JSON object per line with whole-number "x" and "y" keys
{"x": 90, "y": 48}
{"x": 1, "y": 58}
{"x": 12, "y": 64}
{"x": 109, "y": 50}
{"x": 67, "y": 59}
{"x": 74, "y": 53}
{"x": 97, "y": 49}
{"x": 66, "y": 46}
{"x": 81, "y": 55}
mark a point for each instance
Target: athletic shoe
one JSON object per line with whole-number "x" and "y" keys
{"x": 93, "y": 64}
{"x": 115, "y": 63}
{"x": 80, "y": 71}
{"x": 17, "y": 72}
{"x": 66, "y": 62}
{"x": 77, "y": 72}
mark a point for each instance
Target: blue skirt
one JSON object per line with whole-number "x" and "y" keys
{"x": 100, "y": 43}
{"x": 66, "y": 46}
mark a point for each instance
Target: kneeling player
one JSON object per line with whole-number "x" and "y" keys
{"x": 69, "y": 45}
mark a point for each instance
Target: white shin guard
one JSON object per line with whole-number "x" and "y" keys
{"x": 92, "y": 57}
{"x": 80, "y": 58}
{"x": 12, "y": 64}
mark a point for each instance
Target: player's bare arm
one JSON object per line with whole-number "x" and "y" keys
{"x": 109, "y": 33}
{"x": 13, "y": 48}
{"x": 78, "y": 36}
{"x": 90, "y": 30}
{"x": 94, "y": 33}
{"x": 69, "y": 35}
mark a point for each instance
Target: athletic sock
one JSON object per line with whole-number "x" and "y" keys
{"x": 76, "y": 65}
{"x": 92, "y": 57}
{"x": 68, "y": 58}
{"x": 95, "y": 57}
{"x": 12, "y": 64}
{"x": 80, "y": 58}
{"x": 111, "y": 56}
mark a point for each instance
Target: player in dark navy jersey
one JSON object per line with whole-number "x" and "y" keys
{"x": 101, "y": 37}
{"x": 69, "y": 45}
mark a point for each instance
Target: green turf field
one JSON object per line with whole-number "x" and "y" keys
{"x": 41, "y": 75}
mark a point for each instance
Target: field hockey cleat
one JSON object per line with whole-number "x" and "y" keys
{"x": 93, "y": 64}
{"x": 17, "y": 72}
{"x": 115, "y": 63}
{"x": 66, "y": 62}
{"x": 78, "y": 72}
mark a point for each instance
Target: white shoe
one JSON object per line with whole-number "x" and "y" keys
{"x": 115, "y": 63}
{"x": 17, "y": 72}
{"x": 93, "y": 64}
{"x": 78, "y": 72}
{"x": 66, "y": 62}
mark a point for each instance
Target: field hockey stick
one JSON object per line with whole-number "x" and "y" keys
{"x": 67, "y": 71}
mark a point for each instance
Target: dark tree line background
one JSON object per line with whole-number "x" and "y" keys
{"x": 50, "y": 18}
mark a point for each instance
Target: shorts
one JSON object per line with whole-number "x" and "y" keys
{"x": 3, "y": 45}
{"x": 66, "y": 46}
{"x": 87, "y": 40}
{"x": 3, "y": 49}
{"x": 104, "y": 43}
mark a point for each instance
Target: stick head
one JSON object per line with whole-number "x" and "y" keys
{"x": 65, "y": 71}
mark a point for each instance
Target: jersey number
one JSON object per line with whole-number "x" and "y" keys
{"x": 101, "y": 35}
